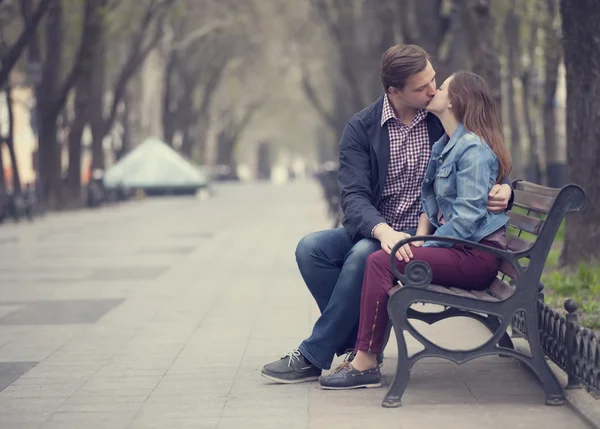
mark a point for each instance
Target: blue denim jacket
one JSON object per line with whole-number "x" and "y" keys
{"x": 458, "y": 179}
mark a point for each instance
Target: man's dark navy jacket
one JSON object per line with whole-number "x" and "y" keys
{"x": 364, "y": 161}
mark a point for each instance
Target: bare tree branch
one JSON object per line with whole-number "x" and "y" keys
{"x": 311, "y": 95}
{"x": 8, "y": 62}
{"x": 341, "y": 29}
{"x": 251, "y": 110}
{"x": 137, "y": 54}
{"x": 91, "y": 19}
{"x": 199, "y": 34}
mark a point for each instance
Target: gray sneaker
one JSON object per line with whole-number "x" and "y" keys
{"x": 346, "y": 377}
{"x": 291, "y": 368}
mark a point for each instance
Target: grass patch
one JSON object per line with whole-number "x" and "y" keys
{"x": 553, "y": 257}
{"x": 581, "y": 284}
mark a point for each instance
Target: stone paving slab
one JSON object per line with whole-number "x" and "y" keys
{"x": 160, "y": 313}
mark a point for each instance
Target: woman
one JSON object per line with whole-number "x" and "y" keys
{"x": 465, "y": 163}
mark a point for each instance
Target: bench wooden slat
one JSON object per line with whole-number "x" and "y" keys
{"x": 440, "y": 289}
{"x": 461, "y": 292}
{"x": 480, "y": 294}
{"x": 474, "y": 294}
{"x": 500, "y": 289}
{"x": 537, "y": 203}
{"x": 534, "y": 188}
{"x": 516, "y": 244}
{"x": 507, "y": 268}
{"x": 394, "y": 289}
{"x": 525, "y": 223}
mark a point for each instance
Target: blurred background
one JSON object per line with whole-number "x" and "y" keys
{"x": 103, "y": 100}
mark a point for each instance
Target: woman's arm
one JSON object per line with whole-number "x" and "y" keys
{"x": 470, "y": 207}
{"x": 500, "y": 197}
{"x": 424, "y": 228}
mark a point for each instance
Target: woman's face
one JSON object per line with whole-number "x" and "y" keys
{"x": 440, "y": 103}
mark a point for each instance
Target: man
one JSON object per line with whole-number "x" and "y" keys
{"x": 384, "y": 152}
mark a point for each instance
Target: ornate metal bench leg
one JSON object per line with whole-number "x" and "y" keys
{"x": 393, "y": 397}
{"x": 388, "y": 331}
{"x": 493, "y": 324}
{"x": 554, "y": 392}
{"x": 506, "y": 342}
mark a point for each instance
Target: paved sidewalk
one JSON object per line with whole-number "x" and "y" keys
{"x": 160, "y": 314}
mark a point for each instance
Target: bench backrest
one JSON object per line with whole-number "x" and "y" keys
{"x": 535, "y": 218}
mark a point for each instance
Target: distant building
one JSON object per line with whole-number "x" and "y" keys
{"x": 24, "y": 138}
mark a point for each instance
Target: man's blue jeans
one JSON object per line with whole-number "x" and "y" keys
{"x": 332, "y": 267}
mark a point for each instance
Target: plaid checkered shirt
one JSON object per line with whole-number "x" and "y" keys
{"x": 409, "y": 155}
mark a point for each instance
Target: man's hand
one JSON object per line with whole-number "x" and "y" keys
{"x": 498, "y": 198}
{"x": 389, "y": 238}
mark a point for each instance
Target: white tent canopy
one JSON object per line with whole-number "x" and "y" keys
{"x": 151, "y": 165}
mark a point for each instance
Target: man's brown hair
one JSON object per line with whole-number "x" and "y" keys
{"x": 399, "y": 63}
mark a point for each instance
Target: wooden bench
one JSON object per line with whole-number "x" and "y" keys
{"x": 537, "y": 210}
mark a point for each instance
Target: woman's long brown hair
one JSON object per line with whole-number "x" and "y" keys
{"x": 474, "y": 107}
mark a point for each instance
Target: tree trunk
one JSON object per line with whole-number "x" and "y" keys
{"x": 581, "y": 43}
{"x": 84, "y": 88}
{"x": 533, "y": 171}
{"x": 98, "y": 90}
{"x": 530, "y": 105}
{"x": 74, "y": 139}
{"x": 196, "y": 148}
{"x": 169, "y": 108}
{"x": 263, "y": 164}
{"x": 126, "y": 122}
{"x": 423, "y": 23}
{"x": 383, "y": 39}
{"x": 10, "y": 142}
{"x": 225, "y": 148}
{"x": 97, "y": 148}
{"x": 459, "y": 53}
{"x": 49, "y": 161}
{"x": 185, "y": 116}
{"x": 478, "y": 22}
{"x": 187, "y": 144}
{"x": 52, "y": 95}
{"x": 48, "y": 111}
{"x": 232, "y": 129}
{"x": 34, "y": 56}
{"x": 3, "y": 191}
{"x": 513, "y": 56}
{"x": 555, "y": 156}
{"x": 203, "y": 112}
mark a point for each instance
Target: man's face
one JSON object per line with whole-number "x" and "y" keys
{"x": 419, "y": 89}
